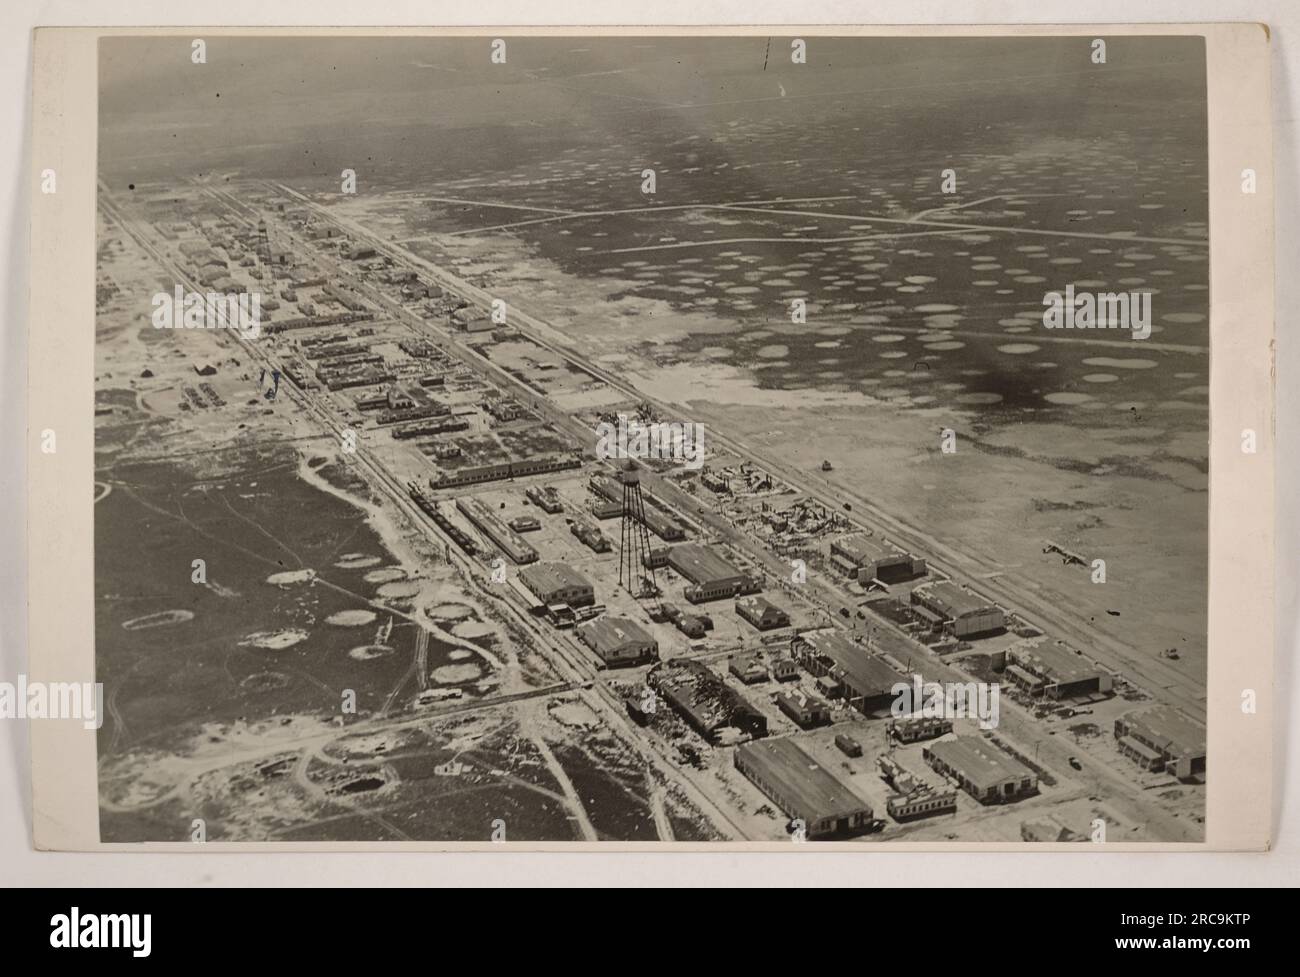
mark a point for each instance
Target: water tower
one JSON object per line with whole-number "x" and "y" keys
{"x": 634, "y": 570}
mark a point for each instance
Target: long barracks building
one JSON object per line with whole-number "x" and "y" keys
{"x": 803, "y": 789}
{"x": 659, "y": 523}
{"x": 509, "y": 469}
{"x": 510, "y": 542}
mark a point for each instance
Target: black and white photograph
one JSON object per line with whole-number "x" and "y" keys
{"x": 652, "y": 438}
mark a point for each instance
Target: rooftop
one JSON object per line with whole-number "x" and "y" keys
{"x": 549, "y": 577}
{"x": 802, "y": 700}
{"x": 867, "y": 674}
{"x": 699, "y": 564}
{"x": 1169, "y": 729}
{"x": 979, "y": 761}
{"x": 611, "y": 633}
{"x": 813, "y": 792}
{"x": 1058, "y": 663}
{"x": 707, "y": 699}
{"x": 866, "y": 549}
{"x": 956, "y": 600}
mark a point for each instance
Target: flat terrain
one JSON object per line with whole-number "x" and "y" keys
{"x": 355, "y": 660}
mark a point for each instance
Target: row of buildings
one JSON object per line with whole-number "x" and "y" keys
{"x": 943, "y": 606}
{"x": 787, "y": 773}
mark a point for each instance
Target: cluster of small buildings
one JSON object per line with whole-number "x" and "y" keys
{"x": 799, "y": 523}
{"x": 589, "y": 534}
{"x": 913, "y": 798}
{"x": 693, "y": 624}
{"x": 545, "y": 498}
{"x": 504, "y": 409}
{"x": 341, "y": 363}
{"x": 750, "y": 669}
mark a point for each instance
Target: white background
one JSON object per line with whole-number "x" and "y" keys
{"x": 21, "y": 865}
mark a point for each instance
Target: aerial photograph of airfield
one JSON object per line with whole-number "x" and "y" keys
{"x": 367, "y": 571}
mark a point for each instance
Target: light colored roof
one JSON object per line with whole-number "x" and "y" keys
{"x": 1139, "y": 748}
{"x": 813, "y": 792}
{"x": 867, "y": 549}
{"x": 867, "y": 674}
{"x": 1056, "y": 662}
{"x": 979, "y": 761}
{"x": 955, "y": 600}
{"x": 611, "y": 633}
{"x": 1169, "y": 729}
{"x": 549, "y": 577}
{"x": 699, "y": 564}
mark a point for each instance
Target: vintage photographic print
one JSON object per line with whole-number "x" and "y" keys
{"x": 652, "y": 438}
